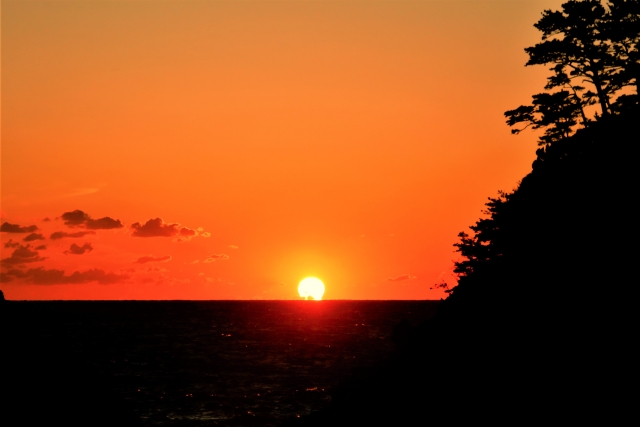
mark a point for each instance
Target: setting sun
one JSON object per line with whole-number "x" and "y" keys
{"x": 311, "y": 287}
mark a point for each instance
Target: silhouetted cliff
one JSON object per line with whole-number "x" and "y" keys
{"x": 542, "y": 322}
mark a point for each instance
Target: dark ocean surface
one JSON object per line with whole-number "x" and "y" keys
{"x": 224, "y": 363}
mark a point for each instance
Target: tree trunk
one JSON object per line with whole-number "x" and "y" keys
{"x": 602, "y": 97}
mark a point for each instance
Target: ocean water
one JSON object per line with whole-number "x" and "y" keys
{"x": 224, "y": 363}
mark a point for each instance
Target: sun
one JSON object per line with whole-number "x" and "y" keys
{"x": 311, "y": 287}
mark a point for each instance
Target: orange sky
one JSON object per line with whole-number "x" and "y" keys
{"x": 348, "y": 140}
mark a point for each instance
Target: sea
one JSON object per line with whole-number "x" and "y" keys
{"x": 195, "y": 363}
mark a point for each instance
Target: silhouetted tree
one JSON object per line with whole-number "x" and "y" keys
{"x": 593, "y": 53}
{"x": 623, "y": 29}
{"x": 482, "y": 247}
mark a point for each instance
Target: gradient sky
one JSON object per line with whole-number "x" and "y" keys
{"x": 228, "y": 149}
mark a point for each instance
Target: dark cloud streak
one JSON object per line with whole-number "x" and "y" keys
{"x": 156, "y": 227}
{"x": 79, "y": 250}
{"x": 42, "y": 276}
{"x": 62, "y": 234}
{"x": 105, "y": 223}
{"x": 22, "y": 255}
{"x": 15, "y": 228}
{"x": 33, "y": 236}
{"x": 79, "y": 218}
{"x": 74, "y": 218}
{"x": 11, "y": 244}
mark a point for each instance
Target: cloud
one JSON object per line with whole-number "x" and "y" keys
{"x": 40, "y": 248}
{"x": 186, "y": 232}
{"x": 150, "y": 258}
{"x": 63, "y": 234}
{"x": 46, "y": 219}
{"x": 33, "y": 236}
{"x": 158, "y": 228}
{"x": 78, "y": 218}
{"x": 214, "y": 257}
{"x": 232, "y": 247}
{"x": 11, "y": 244}
{"x": 42, "y": 276}
{"x": 82, "y": 192}
{"x": 79, "y": 250}
{"x": 15, "y": 228}
{"x": 203, "y": 233}
{"x": 401, "y": 278}
{"x": 105, "y": 223}
{"x": 22, "y": 255}
{"x": 75, "y": 218}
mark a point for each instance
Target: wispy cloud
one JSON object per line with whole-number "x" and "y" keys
{"x": 214, "y": 257}
{"x": 401, "y": 278}
{"x": 82, "y": 192}
{"x": 15, "y": 228}
{"x": 62, "y": 234}
{"x": 203, "y": 233}
{"x": 150, "y": 258}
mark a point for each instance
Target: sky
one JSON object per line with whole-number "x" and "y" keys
{"x": 228, "y": 149}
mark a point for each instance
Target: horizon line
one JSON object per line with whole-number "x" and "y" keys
{"x": 205, "y": 300}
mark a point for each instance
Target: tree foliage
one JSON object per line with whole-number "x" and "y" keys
{"x": 592, "y": 51}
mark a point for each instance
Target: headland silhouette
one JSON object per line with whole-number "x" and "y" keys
{"x": 541, "y": 324}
